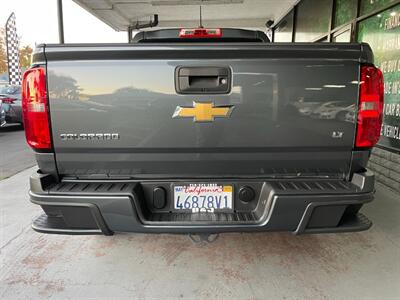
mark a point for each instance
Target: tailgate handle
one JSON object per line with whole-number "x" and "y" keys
{"x": 203, "y": 80}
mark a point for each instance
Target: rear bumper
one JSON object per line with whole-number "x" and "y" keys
{"x": 298, "y": 206}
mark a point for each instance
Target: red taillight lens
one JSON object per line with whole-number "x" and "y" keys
{"x": 200, "y": 33}
{"x": 35, "y": 109}
{"x": 370, "y": 107}
{"x": 8, "y": 100}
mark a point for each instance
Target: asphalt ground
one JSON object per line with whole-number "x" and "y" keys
{"x": 15, "y": 154}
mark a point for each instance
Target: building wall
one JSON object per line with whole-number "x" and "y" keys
{"x": 386, "y": 166}
{"x": 382, "y": 32}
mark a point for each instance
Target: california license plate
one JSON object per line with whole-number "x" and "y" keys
{"x": 199, "y": 197}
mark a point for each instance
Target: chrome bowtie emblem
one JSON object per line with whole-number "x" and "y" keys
{"x": 203, "y": 112}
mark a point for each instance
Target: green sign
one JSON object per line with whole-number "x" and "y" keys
{"x": 382, "y": 33}
{"x": 368, "y": 6}
{"x": 346, "y": 10}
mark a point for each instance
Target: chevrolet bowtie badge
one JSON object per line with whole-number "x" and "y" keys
{"x": 203, "y": 112}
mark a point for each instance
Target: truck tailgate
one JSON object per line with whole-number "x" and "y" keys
{"x": 292, "y": 110}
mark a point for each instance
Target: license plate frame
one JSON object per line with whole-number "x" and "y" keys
{"x": 220, "y": 194}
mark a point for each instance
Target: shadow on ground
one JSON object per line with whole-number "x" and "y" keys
{"x": 11, "y": 128}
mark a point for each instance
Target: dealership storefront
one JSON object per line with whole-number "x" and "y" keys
{"x": 376, "y": 22}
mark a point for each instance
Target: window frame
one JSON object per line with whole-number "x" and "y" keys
{"x": 353, "y": 23}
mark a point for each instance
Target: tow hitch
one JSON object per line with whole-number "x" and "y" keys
{"x": 204, "y": 238}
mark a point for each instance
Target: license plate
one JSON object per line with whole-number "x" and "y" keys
{"x": 203, "y": 197}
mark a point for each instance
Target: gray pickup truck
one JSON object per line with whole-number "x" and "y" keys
{"x": 202, "y": 131}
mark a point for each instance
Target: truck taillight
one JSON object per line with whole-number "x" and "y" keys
{"x": 370, "y": 107}
{"x": 35, "y": 109}
{"x": 200, "y": 33}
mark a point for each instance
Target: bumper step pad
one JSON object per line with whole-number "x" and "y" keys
{"x": 46, "y": 224}
{"x": 348, "y": 223}
{"x": 204, "y": 217}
